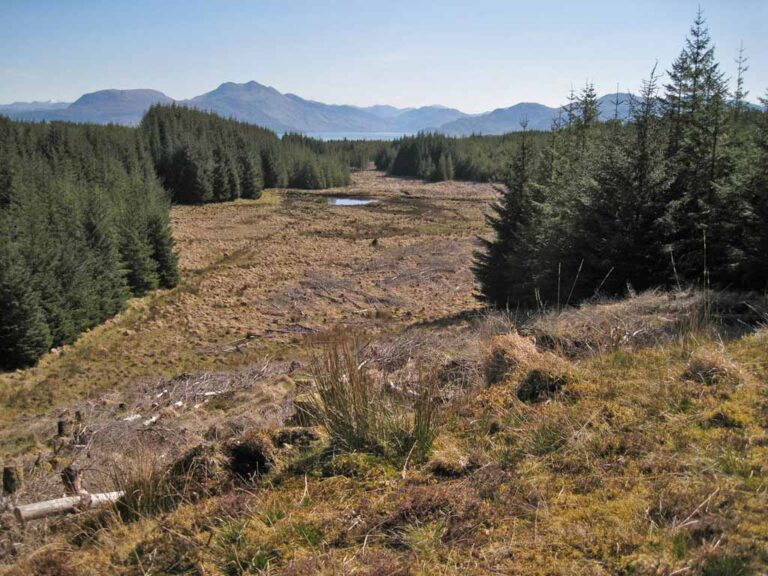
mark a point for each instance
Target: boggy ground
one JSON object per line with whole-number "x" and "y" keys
{"x": 256, "y": 278}
{"x": 626, "y": 437}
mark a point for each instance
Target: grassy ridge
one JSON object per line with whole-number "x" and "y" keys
{"x": 648, "y": 459}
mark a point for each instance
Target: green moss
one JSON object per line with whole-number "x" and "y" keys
{"x": 358, "y": 465}
{"x": 726, "y": 565}
{"x": 311, "y": 534}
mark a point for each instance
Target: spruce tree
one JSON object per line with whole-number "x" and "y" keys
{"x": 24, "y": 333}
{"x": 621, "y": 235}
{"x": 136, "y": 252}
{"x": 741, "y": 93}
{"x": 504, "y": 267}
{"x": 441, "y": 172}
{"x": 105, "y": 269}
{"x": 252, "y": 180}
{"x": 274, "y": 170}
{"x": 698, "y": 212}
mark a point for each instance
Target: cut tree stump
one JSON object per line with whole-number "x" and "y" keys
{"x": 70, "y": 476}
{"x": 13, "y": 479}
{"x": 27, "y": 512}
{"x": 63, "y": 428}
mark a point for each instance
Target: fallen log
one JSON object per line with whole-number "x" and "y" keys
{"x": 26, "y": 512}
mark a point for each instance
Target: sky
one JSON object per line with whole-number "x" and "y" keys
{"x": 473, "y": 55}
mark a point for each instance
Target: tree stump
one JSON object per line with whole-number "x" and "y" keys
{"x": 63, "y": 428}
{"x": 70, "y": 476}
{"x": 13, "y": 478}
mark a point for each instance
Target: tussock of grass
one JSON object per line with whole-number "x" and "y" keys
{"x": 711, "y": 366}
{"x": 509, "y": 356}
{"x": 149, "y": 489}
{"x": 452, "y": 461}
{"x": 359, "y": 415}
{"x": 514, "y": 360}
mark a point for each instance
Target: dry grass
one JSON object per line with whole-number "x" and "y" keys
{"x": 254, "y": 284}
{"x": 650, "y": 459}
{"x": 648, "y": 319}
{"x": 357, "y": 412}
{"x": 515, "y": 361}
{"x": 711, "y": 365}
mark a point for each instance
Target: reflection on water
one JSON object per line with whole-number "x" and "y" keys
{"x": 349, "y": 201}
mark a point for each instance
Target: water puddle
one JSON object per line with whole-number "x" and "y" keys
{"x": 336, "y": 201}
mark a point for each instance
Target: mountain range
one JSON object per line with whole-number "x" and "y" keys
{"x": 263, "y": 105}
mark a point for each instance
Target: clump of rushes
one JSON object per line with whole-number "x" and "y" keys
{"x": 359, "y": 414}
{"x": 149, "y": 489}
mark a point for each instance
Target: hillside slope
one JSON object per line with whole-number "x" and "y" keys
{"x": 103, "y": 107}
{"x": 537, "y": 117}
{"x": 265, "y": 106}
{"x": 625, "y": 437}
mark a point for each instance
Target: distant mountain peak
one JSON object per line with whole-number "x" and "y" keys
{"x": 114, "y": 97}
{"x": 264, "y": 105}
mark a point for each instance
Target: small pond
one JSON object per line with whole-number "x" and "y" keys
{"x": 336, "y": 201}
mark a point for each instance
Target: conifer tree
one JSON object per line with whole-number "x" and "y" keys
{"x": 253, "y": 181}
{"x": 698, "y": 211}
{"x": 105, "y": 268}
{"x": 741, "y": 93}
{"x": 441, "y": 173}
{"x": 449, "y": 169}
{"x": 161, "y": 245}
{"x": 504, "y": 268}
{"x": 136, "y": 253}
{"x": 621, "y": 237}
{"x": 24, "y": 333}
{"x": 274, "y": 170}
{"x": 586, "y": 107}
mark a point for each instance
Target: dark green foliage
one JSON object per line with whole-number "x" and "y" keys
{"x": 24, "y": 333}
{"x": 427, "y": 156}
{"x": 161, "y": 244}
{"x": 253, "y": 178}
{"x": 620, "y": 235}
{"x": 676, "y": 196}
{"x": 696, "y": 112}
{"x": 201, "y": 157}
{"x": 384, "y": 157}
{"x": 83, "y": 224}
{"x": 504, "y": 268}
{"x": 749, "y": 184}
{"x": 436, "y": 157}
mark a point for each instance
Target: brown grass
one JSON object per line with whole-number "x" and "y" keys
{"x": 650, "y": 459}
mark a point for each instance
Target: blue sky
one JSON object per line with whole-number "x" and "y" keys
{"x": 474, "y": 55}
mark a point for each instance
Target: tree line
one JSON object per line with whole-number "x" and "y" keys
{"x": 201, "y": 157}
{"x": 84, "y": 210}
{"x": 84, "y": 224}
{"x": 676, "y": 196}
{"x": 436, "y": 157}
